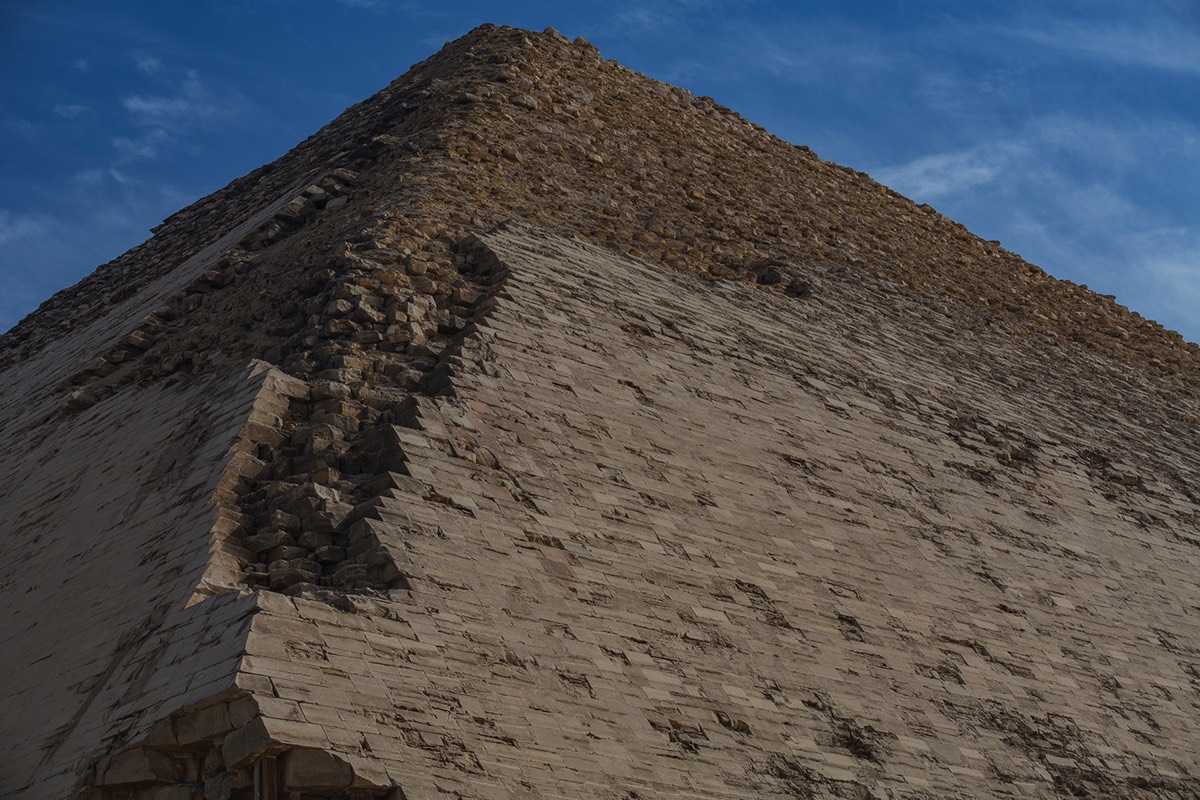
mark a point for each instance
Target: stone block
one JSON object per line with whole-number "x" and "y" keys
{"x": 314, "y": 772}
{"x": 244, "y": 745}
{"x": 141, "y": 766}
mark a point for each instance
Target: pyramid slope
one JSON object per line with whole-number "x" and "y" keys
{"x": 807, "y": 493}
{"x": 506, "y": 123}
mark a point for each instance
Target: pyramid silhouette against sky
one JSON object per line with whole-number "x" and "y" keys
{"x": 538, "y": 430}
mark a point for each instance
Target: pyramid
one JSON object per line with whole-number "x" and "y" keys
{"x": 539, "y": 430}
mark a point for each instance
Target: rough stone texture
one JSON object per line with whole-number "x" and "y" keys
{"x": 724, "y": 472}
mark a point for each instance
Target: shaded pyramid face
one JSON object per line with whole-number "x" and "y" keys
{"x": 538, "y": 430}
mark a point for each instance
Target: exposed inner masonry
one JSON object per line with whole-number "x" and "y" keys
{"x": 302, "y": 506}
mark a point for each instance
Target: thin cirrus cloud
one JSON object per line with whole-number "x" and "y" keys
{"x": 69, "y": 110}
{"x": 193, "y": 102}
{"x": 147, "y": 146}
{"x": 1173, "y": 273}
{"x": 147, "y": 63}
{"x": 169, "y": 119}
{"x": 649, "y": 15}
{"x": 14, "y": 226}
{"x": 1030, "y": 153}
{"x": 1090, "y": 225}
{"x": 1158, "y": 44}
{"x": 96, "y": 176}
{"x": 941, "y": 175}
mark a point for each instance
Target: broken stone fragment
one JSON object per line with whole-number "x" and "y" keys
{"x": 322, "y": 437}
{"x": 312, "y": 540}
{"x": 283, "y": 521}
{"x": 215, "y": 278}
{"x": 284, "y": 573}
{"x": 81, "y": 398}
{"x": 769, "y": 272}
{"x": 265, "y": 540}
{"x": 296, "y": 211}
{"x": 465, "y": 295}
{"x": 140, "y": 766}
{"x": 330, "y": 554}
{"x": 316, "y": 194}
{"x": 286, "y": 552}
{"x": 350, "y": 575}
{"x": 138, "y": 340}
{"x": 247, "y": 743}
{"x": 331, "y": 390}
{"x": 339, "y": 327}
{"x": 367, "y": 315}
{"x": 314, "y": 772}
{"x": 799, "y": 288}
{"x": 524, "y": 101}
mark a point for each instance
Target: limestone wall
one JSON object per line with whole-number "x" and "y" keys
{"x": 108, "y": 525}
{"x": 656, "y": 543}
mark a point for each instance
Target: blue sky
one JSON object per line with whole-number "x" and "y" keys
{"x": 1070, "y": 131}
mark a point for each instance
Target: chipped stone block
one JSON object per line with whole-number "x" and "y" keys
{"x": 284, "y": 573}
{"x": 141, "y": 766}
{"x": 247, "y": 743}
{"x": 314, "y": 771}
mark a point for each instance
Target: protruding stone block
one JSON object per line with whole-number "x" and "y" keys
{"x": 246, "y": 743}
{"x": 314, "y": 772}
{"x": 141, "y": 766}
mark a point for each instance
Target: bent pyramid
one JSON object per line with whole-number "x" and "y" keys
{"x": 537, "y": 430}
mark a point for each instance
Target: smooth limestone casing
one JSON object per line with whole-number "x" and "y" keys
{"x": 109, "y": 516}
{"x": 656, "y": 539}
{"x": 109, "y": 525}
{"x": 699, "y": 571}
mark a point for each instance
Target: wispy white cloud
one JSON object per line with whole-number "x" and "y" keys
{"x": 1069, "y": 193}
{"x": 81, "y": 65}
{"x": 805, "y": 54}
{"x": 171, "y": 118}
{"x": 20, "y": 127}
{"x": 1166, "y": 263}
{"x": 18, "y": 226}
{"x": 69, "y": 110}
{"x": 940, "y": 175}
{"x": 66, "y": 244}
{"x": 642, "y": 16}
{"x": 1029, "y": 154}
{"x": 96, "y": 176}
{"x": 192, "y": 102}
{"x": 1157, "y": 43}
{"x": 146, "y": 146}
{"x": 93, "y": 176}
{"x": 147, "y": 63}
{"x": 653, "y": 15}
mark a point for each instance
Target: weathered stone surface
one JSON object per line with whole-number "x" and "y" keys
{"x": 247, "y": 743}
{"x": 141, "y": 767}
{"x": 778, "y": 486}
{"x": 314, "y": 771}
